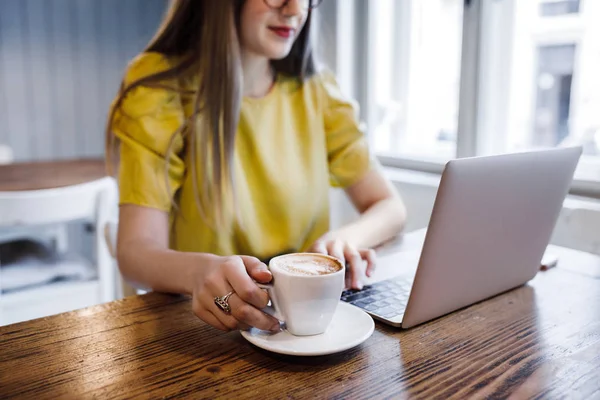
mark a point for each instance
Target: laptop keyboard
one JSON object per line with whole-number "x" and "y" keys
{"x": 386, "y": 299}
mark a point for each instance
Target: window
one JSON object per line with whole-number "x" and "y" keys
{"x": 416, "y": 76}
{"x": 531, "y": 69}
{"x": 554, "y": 92}
{"x": 553, "y": 95}
{"x": 549, "y": 8}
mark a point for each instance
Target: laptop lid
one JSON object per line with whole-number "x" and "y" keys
{"x": 491, "y": 222}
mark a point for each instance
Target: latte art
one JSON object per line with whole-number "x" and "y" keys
{"x": 313, "y": 265}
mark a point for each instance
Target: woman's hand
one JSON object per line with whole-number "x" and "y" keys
{"x": 233, "y": 274}
{"x": 355, "y": 259}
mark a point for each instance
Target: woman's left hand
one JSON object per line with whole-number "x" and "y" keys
{"x": 355, "y": 259}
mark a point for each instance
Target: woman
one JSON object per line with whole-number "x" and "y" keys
{"x": 228, "y": 140}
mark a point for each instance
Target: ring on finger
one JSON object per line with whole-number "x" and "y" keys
{"x": 223, "y": 303}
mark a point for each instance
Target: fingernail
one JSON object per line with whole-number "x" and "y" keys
{"x": 276, "y": 328}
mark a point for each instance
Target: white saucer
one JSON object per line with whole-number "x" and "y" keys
{"x": 350, "y": 327}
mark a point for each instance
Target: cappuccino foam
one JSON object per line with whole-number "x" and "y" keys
{"x": 309, "y": 265}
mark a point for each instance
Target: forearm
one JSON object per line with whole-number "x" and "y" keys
{"x": 159, "y": 269}
{"x": 381, "y": 222}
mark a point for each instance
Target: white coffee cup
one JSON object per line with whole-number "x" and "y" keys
{"x": 305, "y": 302}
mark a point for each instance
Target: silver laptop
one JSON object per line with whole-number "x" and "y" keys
{"x": 491, "y": 223}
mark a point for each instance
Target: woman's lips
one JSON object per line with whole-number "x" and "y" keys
{"x": 282, "y": 31}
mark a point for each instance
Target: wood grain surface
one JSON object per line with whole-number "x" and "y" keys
{"x": 541, "y": 340}
{"x": 48, "y": 175}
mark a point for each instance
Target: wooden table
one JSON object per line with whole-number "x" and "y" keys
{"x": 51, "y": 174}
{"x": 539, "y": 341}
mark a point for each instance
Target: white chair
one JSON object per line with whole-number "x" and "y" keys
{"x": 27, "y": 214}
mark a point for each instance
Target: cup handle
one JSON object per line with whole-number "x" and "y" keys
{"x": 270, "y": 309}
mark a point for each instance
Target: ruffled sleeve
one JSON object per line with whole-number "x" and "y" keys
{"x": 147, "y": 125}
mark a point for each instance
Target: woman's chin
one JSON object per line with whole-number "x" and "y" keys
{"x": 277, "y": 52}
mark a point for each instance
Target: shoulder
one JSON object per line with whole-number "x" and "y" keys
{"x": 320, "y": 81}
{"x": 146, "y": 64}
{"x": 323, "y": 78}
{"x": 316, "y": 91}
{"x": 326, "y": 85}
{"x": 143, "y": 98}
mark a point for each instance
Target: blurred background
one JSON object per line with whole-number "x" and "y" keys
{"x": 61, "y": 63}
{"x": 436, "y": 80}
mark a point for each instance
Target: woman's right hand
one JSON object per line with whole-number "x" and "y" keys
{"x": 233, "y": 274}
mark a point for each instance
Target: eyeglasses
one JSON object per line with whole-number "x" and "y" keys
{"x": 304, "y": 4}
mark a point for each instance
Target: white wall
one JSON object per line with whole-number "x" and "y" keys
{"x": 61, "y": 63}
{"x": 578, "y": 226}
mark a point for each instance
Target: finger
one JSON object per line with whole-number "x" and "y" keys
{"x": 244, "y": 327}
{"x": 335, "y": 248}
{"x": 355, "y": 264}
{"x": 243, "y": 315}
{"x": 205, "y": 315}
{"x": 319, "y": 247}
{"x": 208, "y": 302}
{"x": 214, "y": 321}
{"x": 248, "y": 315}
{"x": 348, "y": 278}
{"x": 217, "y": 285}
{"x": 370, "y": 257}
{"x": 257, "y": 269}
{"x": 244, "y": 287}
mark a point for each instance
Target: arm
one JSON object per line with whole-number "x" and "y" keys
{"x": 144, "y": 258}
{"x": 382, "y": 212}
{"x": 143, "y": 252}
{"x": 382, "y": 217}
{"x": 352, "y": 167}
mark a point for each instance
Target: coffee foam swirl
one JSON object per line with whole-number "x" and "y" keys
{"x": 308, "y": 265}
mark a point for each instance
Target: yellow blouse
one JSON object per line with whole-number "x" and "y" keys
{"x": 290, "y": 146}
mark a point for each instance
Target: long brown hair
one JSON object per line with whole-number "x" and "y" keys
{"x": 204, "y": 36}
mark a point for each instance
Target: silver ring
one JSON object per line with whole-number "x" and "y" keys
{"x": 223, "y": 303}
